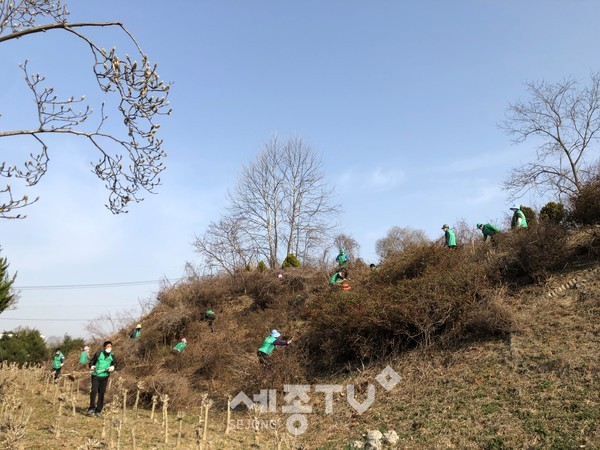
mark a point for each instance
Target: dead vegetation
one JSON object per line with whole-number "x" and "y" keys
{"x": 486, "y": 358}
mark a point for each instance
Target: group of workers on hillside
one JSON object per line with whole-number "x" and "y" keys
{"x": 101, "y": 365}
{"x": 103, "y": 362}
{"x": 518, "y": 221}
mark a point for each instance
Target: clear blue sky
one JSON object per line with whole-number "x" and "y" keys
{"x": 401, "y": 99}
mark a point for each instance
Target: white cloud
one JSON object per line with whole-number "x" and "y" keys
{"x": 371, "y": 180}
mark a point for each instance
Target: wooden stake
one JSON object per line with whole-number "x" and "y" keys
{"x": 124, "y": 402}
{"x": 133, "y": 446}
{"x": 228, "y": 414}
{"x": 165, "y": 402}
{"x": 206, "y": 408}
{"x": 180, "y": 416}
{"x": 154, "y": 402}
{"x": 57, "y": 424}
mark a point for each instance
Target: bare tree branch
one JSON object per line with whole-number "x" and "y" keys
{"x": 142, "y": 97}
{"x": 399, "y": 239}
{"x": 566, "y": 119}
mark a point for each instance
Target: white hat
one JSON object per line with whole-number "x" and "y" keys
{"x": 275, "y": 333}
{"x": 514, "y": 207}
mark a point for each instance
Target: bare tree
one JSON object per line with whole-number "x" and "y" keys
{"x": 282, "y": 202}
{"x": 466, "y": 232}
{"x": 566, "y": 118}
{"x": 223, "y": 246}
{"x": 399, "y": 239}
{"x": 127, "y": 162}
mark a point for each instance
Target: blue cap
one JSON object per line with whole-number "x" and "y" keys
{"x": 275, "y": 333}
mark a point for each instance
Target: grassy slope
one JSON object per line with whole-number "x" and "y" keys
{"x": 538, "y": 389}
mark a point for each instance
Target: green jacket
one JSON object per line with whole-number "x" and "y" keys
{"x": 450, "y": 238}
{"x": 335, "y": 278}
{"x": 180, "y": 346}
{"x": 267, "y": 345}
{"x": 84, "y": 357}
{"x": 102, "y": 361}
{"x": 209, "y": 315}
{"x": 136, "y": 333}
{"x": 58, "y": 361}
{"x": 515, "y": 220}
{"x": 489, "y": 230}
{"x": 342, "y": 260}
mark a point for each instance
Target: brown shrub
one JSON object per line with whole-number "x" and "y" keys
{"x": 417, "y": 297}
{"x": 427, "y": 295}
{"x": 585, "y": 206}
{"x": 532, "y": 254}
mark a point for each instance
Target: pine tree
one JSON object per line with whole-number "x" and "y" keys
{"x": 6, "y": 295}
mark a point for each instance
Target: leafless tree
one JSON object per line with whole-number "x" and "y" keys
{"x": 128, "y": 162}
{"x": 282, "y": 202}
{"x": 399, "y": 239}
{"x": 466, "y": 232}
{"x": 566, "y": 118}
{"x": 223, "y": 246}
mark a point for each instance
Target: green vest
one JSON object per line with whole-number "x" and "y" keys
{"x": 84, "y": 357}
{"x": 342, "y": 260}
{"x": 488, "y": 230}
{"x": 519, "y": 214}
{"x": 267, "y": 346}
{"x": 180, "y": 346}
{"x": 102, "y": 364}
{"x": 57, "y": 361}
{"x": 450, "y": 238}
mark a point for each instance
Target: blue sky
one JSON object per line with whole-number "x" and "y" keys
{"x": 400, "y": 98}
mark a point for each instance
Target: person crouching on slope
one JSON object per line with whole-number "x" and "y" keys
{"x": 103, "y": 363}
{"x": 181, "y": 345}
{"x": 267, "y": 347}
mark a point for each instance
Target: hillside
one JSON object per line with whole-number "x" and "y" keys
{"x": 486, "y": 358}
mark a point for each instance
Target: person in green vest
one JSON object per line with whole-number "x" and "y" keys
{"x": 58, "y": 361}
{"x": 449, "y": 236}
{"x": 518, "y": 219}
{"x": 102, "y": 364}
{"x": 181, "y": 345}
{"x": 267, "y": 347}
{"x": 343, "y": 261}
{"x": 337, "y": 277}
{"x": 210, "y": 316}
{"x": 488, "y": 230}
{"x": 137, "y": 332}
{"x": 84, "y": 358}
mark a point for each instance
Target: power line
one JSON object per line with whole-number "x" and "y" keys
{"x": 95, "y": 285}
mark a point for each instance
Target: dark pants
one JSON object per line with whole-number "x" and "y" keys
{"x": 210, "y": 325}
{"x": 264, "y": 359}
{"x": 98, "y": 388}
{"x": 56, "y": 372}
